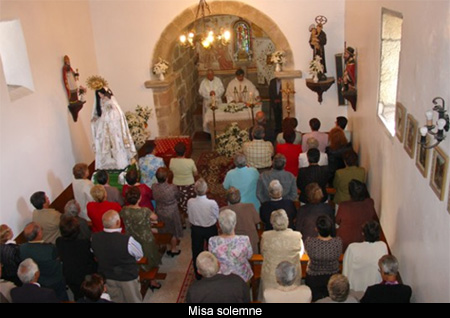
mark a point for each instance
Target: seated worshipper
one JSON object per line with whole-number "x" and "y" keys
{"x": 361, "y": 259}
{"x": 138, "y": 223}
{"x": 342, "y": 122}
{"x": 149, "y": 164}
{"x": 46, "y": 257}
{"x": 308, "y": 214}
{"x": 215, "y": 287}
{"x": 390, "y": 291}
{"x": 353, "y": 215}
{"x": 99, "y": 207}
{"x": 322, "y": 138}
{"x": 286, "y": 179}
{"x": 5, "y": 289}
{"x": 132, "y": 178}
{"x": 31, "y": 291}
{"x": 344, "y": 176}
{"x": 82, "y": 187}
{"x": 288, "y": 289}
{"x": 47, "y": 218}
{"x": 290, "y": 123}
{"x": 75, "y": 254}
{"x": 339, "y": 291}
{"x": 277, "y": 203}
{"x": 117, "y": 254}
{"x": 313, "y": 174}
{"x": 113, "y": 193}
{"x": 241, "y": 90}
{"x": 336, "y": 151}
{"x": 243, "y": 178}
{"x": 203, "y": 214}
{"x": 184, "y": 174}
{"x": 303, "y": 158}
{"x": 324, "y": 253}
{"x": 290, "y": 151}
{"x": 233, "y": 251}
{"x": 259, "y": 153}
{"x": 211, "y": 88}
{"x": 72, "y": 210}
{"x": 281, "y": 244}
{"x": 94, "y": 290}
{"x": 166, "y": 196}
{"x": 246, "y": 215}
{"x": 9, "y": 255}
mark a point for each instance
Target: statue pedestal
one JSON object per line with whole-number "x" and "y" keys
{"x": 320, "y": 87}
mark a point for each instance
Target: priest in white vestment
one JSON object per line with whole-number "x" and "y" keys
{"x": 211, "y": 87}
{"x": 241, "y": 90}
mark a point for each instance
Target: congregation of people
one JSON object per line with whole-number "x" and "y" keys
{"x": 299, "y": 194}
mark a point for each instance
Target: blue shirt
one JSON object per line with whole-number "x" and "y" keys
{"x": 245, "y": 180}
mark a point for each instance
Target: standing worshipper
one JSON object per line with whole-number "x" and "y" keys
{"x": 241, "y": 90}
{"x": 211, "y": 88}
{"x": 276, "y": 102}
{"x": 113, "y": 145}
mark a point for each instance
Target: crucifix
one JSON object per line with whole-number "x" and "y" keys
{"x": 288, "y": 91}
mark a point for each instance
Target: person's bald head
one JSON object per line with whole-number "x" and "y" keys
{"x": 32, "y": 232}
{"x": 111, "y": 220}
{"x": 260, "y": 118}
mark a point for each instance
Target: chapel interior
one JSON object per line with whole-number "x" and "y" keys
{"x": 122, "y": 40}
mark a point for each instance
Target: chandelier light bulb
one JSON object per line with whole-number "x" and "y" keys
{"x": 183, "y": 39}
{"x": 424, "y": 131}
{"x": 441, "y": 123}
{"x": 429, "y": 115}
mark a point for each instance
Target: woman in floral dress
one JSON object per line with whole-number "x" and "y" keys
{"x": 232, "y": 251}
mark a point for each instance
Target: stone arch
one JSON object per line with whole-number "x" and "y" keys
{"x": 165, "y": 94}
{"x": 170, "y": 35}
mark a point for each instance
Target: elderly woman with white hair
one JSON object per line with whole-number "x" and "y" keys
{"x": 233, "y": 251}
{"x": 288, "y": 290}
{"x": 277, "y": 202}
{"x": 280, "y": 244}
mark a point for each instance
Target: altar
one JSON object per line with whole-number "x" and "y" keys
{"x": 229, "y": 113}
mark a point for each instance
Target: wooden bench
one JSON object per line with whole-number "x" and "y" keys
{"x": 145, "y": 277}
{"x": 256, "y": 263}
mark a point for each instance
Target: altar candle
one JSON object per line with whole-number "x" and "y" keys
{"x": 251, "y": 99}
{"x": 213, "y": 100}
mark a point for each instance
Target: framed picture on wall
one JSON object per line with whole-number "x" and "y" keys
{"x": 439, "y": 173}
{"x": 400, "y": 121}
{"x": 412, "y": 127}
{"x": 448, "y": 204}
{"x": 423, "y": 157}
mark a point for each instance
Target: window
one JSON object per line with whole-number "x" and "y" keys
{"x": 243, "y": 41}
{"x": 391, "y": 38}
{"x": 13, "y": 53}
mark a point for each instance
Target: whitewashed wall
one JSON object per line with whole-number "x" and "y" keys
{"x": 416, "y": 222}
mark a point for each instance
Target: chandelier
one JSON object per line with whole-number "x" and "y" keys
{"x": 206, "y": 36}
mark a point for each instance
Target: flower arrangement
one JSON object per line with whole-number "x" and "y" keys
{"x": 137, "y": 123}
{"x": 161, "y": 67}
{"x": 231, "y": 141}
{"x": 234, "y": 108}
{"x": 316, "y": 68}
{"x": 279, "y": 57}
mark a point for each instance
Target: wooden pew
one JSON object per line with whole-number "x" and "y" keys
{"x": 256, "y": 263}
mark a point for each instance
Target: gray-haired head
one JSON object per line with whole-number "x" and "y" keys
{"x": 338, "y": 288}
{"x": 111, "y": 220}
{"x": 259, "y": 132}
{"x": 207, "y": 264}
{"x": 227, "y": 221}
{"x": 286, "y": 273}
{"x": 233, "y": 195}
{"x": 275, "y": 189}
{"x": 279, "y": 162}
{"x": 279, "y": 220}
{"x": 389, "y": 265}
{"x": 72, "y": 208}
{"x": 201, "y": 187}
{"x": 27, "y": 271}
{"x": 240, "y": 160}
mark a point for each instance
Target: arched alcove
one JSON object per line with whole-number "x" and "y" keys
{"x": 165, "y": 94}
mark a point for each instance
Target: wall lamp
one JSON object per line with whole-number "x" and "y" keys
{"x": 443, "y": 124}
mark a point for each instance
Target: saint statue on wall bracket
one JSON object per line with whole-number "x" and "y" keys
{"x": 75, "y": 93}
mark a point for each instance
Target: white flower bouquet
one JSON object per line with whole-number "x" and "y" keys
{"x": 316, "y": 67}
{"x": 161, "y": 67}
{"x": 234, "y": 108}
{"x": 137, "y": 123}
{"x": 279, "y": 57}
{"x": 231, "y": 141}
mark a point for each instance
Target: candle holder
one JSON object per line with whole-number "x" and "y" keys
{"x": 213, "y": 107}
{"x": 443, "y": 124}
